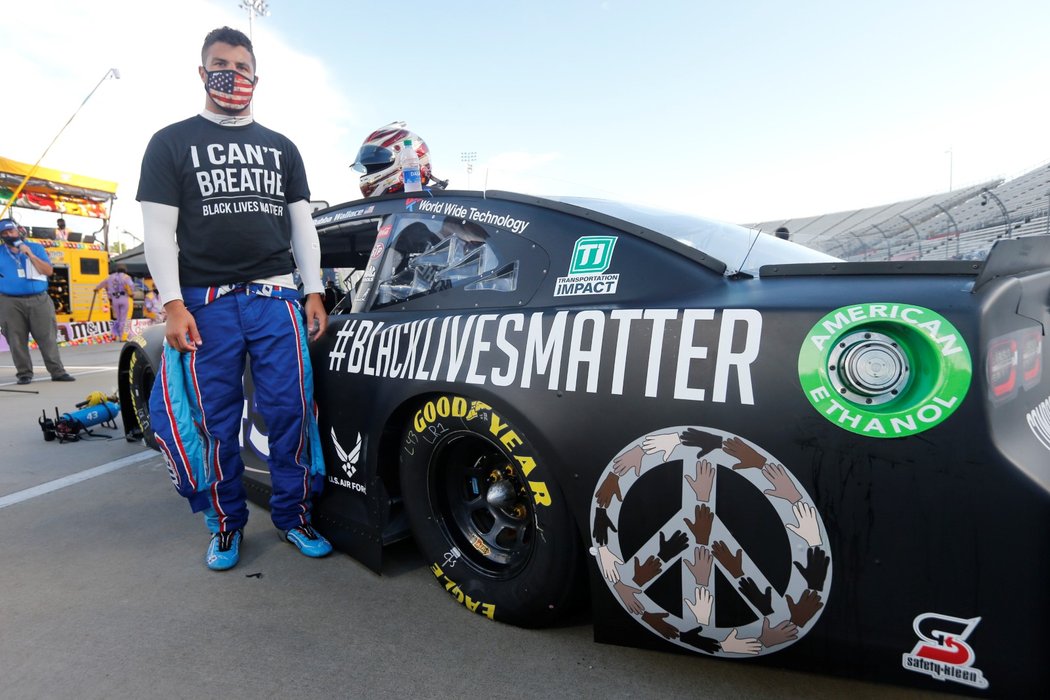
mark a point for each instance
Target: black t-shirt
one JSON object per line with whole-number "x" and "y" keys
{"x": 232, "y": 186}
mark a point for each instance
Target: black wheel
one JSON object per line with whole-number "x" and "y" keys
{"x": 487, "y": 515}
{"x": 140, "y": 378}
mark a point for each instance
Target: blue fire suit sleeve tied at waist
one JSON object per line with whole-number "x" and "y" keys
{"x": 187, "y": 467}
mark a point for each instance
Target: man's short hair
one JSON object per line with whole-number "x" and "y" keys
{"x": 227, "y": 35}
{"x": 61, "y": 223}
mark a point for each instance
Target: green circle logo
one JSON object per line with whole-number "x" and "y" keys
{"x": 884, "y": 370}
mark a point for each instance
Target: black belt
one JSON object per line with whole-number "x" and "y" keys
{"x": 24, "y": 296}
{"x": 122, "y": 294}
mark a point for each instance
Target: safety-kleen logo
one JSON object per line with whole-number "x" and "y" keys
{"x": 942, "y": 652}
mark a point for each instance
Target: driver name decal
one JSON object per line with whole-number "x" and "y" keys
{"x": 685, "y": 354}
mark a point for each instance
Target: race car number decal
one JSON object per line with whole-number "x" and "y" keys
{"x": 884, "y": 370}
{"x": 710, "y": 542}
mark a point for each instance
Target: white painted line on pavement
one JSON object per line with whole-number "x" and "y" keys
{"x": 69, "y": 368}
{"x": 25, "y": 495}
{"x": 75, "y": 371}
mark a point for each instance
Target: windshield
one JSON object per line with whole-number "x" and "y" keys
{"x": 741, "y": 249}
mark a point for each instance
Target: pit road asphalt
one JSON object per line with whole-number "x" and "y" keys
{"x": 104, "y": 594}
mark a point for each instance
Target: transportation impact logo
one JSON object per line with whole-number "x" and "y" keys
{"x": 591, "y": 257}
{"x": 942, "y": 652}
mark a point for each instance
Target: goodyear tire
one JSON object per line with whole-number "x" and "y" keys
{"x": 140, "y": 376}
{"x": 487, "y": 515}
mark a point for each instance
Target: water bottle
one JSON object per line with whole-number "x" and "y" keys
{"x": 410, "y": 167}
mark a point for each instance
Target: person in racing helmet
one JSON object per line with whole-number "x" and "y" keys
{"x": 379, "y": 163}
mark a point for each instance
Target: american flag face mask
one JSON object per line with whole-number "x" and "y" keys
{"x": 229, "y": 89}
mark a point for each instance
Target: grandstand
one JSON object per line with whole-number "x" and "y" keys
{"x": 958, "y": 225}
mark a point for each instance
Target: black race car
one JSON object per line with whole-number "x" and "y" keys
{"x": 724, "y": 443}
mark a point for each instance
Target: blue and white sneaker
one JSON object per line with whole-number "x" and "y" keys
{"x": 309, "y": 541}
{"x": 224, "y": 550}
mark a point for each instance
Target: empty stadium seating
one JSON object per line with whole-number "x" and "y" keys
{"x": 961, "y": 224}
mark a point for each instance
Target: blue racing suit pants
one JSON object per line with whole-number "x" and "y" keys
{"x": 197, "y": 404}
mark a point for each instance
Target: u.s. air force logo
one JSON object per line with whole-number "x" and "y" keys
{"x": 710, "y": 542}
{"x": 348, "y": 461}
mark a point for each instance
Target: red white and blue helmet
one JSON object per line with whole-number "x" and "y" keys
{"x": 379, "y": 163}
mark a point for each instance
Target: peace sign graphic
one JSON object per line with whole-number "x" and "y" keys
{"x": 710, "y": 542}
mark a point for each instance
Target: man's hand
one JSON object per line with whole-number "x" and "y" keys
{"x": 42, "y": 265}
{"x": 181, "y": 328}
{"x": 316, "y": 317}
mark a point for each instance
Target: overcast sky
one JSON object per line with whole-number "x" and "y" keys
{"x": 741, "y": 111}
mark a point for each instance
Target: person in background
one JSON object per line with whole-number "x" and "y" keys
{"x": 151, "y": 306}
{"x": 226, "y": 276}
{"x": 61, "y": 233}
{"x": 119, "y": 289}
{"x": 25, "y": 306}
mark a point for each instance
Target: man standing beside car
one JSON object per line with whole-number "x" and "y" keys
{"x": 25, "y": 306}
{"x": 225, "y": 206}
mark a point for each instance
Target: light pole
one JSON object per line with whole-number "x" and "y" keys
{"x": 469, "y": 157}
{"x": 18, "y": 190}
{"x": 889, "y": 250}
{"x": 1002, "y": 207}
{"x": 954, "y": 225}
{"x": 918, "y": 238}
{"x": 950, "y": 168}
{"x": 863, "y": 245}
{"x": 254, "y": 7}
